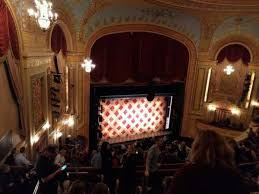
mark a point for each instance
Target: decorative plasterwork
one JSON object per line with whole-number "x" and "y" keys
{"x": 209, "y": 25}
{"x": 145, "y": 14}
{"x": 190, "y": 4}
{"x": 37, "y": 62}
{"x": 237, "y": 25}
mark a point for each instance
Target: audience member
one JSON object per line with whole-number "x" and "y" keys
{"x": 152, "y": 166}
{"x": 10, "y": 160}
{"x": 21, "y": 160}
{"x": 128, "y": 173}
{"x": 48, "y": 171}
{"x": 101, "y": 188}
{"x": 211, "y": 170}
{"x": 107, "y": 164}
{"x": 77, "y": 187}
{"x": 96, "y": 160}
{"x": 5, "y": 179}
{"x": 60, "y": 159}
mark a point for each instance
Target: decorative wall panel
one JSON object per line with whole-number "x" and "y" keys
{"x": 38, "y": 99}
{"x": 124, "y": 117}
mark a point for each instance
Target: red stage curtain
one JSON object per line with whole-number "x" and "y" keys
{"x": 233, "y": 53}
{"x": 7, "y": 32}
{"x": 140, "y": 56}
{"x": 58, "y": 40}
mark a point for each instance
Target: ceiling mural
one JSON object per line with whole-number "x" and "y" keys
{"x": 147, "y": 14}
{"x": 237, "y": 25}
{"x": 76, "y": 7}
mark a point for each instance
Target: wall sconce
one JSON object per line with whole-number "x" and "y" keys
{"x": 229, "y": 69}
{"x": 235, "y": 111}
{"x": 255, "y": 103}
{"x": 35, "y": 139}
{"x": 46, "y": 126}
{"x": 69, "y": 122}
{"x": 212, "y": 107}
{"x": 57, "y": 134}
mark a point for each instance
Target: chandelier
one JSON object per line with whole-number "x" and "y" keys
{"x": 43, "y": 13}
{"x": 88, "y": 65}
{"x": 229, "y": 69}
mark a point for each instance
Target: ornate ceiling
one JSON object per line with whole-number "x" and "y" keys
{"x": 216, "y": 5}
{"x": 229, "y": 2}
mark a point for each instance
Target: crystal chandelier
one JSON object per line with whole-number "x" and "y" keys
{"x": 88, "y": 65}
{"x": 229, "y": 69}
{"x": 43, "y": 13}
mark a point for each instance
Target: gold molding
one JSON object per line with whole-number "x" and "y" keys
{"x": 37, "y": 62}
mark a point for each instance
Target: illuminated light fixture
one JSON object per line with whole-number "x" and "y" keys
{"x": 250, "y": 89}
{"x": 69, "y": 122}
{"x": 46, "y": 126}
{"x": 88, "y": 65}
{"x": 207, "y": 85}
{"x": 35, "y": 139}
{"x": 255, "y": 103}
{"x": 212, "y": 107}
{"x": 235, "y": 111}
{"x": 229, "y": 69}
{"x": 58, "y": 134}
{"x": 43, "y": 13}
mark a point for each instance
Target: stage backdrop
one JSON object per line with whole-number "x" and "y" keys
{"x": 127, "y": 117}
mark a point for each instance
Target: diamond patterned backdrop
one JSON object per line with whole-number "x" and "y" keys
{"x": 124, "y": 117}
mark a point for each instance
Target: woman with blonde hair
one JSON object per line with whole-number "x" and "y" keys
{"x": 211, "y": 169}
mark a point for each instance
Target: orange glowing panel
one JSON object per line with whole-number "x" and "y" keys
{"x": 124, "y": 117}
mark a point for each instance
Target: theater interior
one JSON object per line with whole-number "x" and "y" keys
{"x": 77, "y": 73}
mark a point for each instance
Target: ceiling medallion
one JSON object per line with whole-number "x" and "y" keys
{"x": 229, "y": 69}
{"x": 43, "y": 13}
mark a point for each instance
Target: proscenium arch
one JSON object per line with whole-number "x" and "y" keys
{"x": 245, "y": 41}
{"x": 188, "y": 43}
{"x": 67, "y": 33}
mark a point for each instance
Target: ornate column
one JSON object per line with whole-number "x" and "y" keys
{"x": 79, "y": 93}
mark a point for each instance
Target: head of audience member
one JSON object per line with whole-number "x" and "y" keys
{"x": 50, "y": 152}
{"x": 211, "y": 149}
{"x": 4, "y": 169}
{"x": 168, "y": 147}
{"x": 101, "y": 188}
{"x": 63, "y": 152}
{"x": 158, "y": 141}
{"x": 131, "y": 149}
{"x": 94, "y": 152}
{"x": 13, "y": 152}
{"x": 77, "y": 187}
{"x": 105, "y": 147}
{"x": 22, "y": 150}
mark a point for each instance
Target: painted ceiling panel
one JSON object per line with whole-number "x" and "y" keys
{"x": 241, "y": 25}
{"x": 146, "y": 13}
